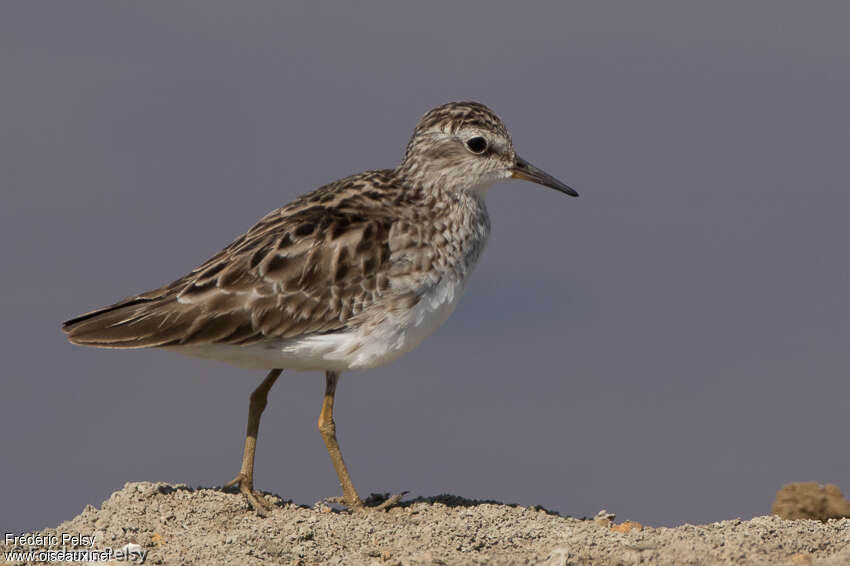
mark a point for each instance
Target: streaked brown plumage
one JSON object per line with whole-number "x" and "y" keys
{"x": 308, "y": 267}
{"x": 348, "y": 276}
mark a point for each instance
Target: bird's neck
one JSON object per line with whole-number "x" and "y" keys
{"x": 441, "y": 184}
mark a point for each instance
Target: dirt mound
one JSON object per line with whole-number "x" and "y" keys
{"x": 810, "y": 500}
{"x": 179, "y": 525}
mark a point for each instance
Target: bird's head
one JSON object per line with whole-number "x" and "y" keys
{"x": 465, "y": 146}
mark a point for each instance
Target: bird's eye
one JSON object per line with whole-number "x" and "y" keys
{"x": 476, "y": 144}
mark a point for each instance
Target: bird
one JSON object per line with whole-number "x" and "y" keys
{"x": 347, "y": 277}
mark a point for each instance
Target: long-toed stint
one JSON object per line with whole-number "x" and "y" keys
{"x": 349, "y": 276}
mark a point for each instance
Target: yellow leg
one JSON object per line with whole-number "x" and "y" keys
{"x": 245, "y": 478}
{"x": 328, "y": 429}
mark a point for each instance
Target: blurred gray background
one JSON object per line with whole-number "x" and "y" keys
{"x": 672, "y": 346}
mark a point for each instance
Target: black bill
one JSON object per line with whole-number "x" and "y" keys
{"x": 525, "y": 170}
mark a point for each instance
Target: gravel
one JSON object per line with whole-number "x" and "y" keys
{"x": 179, "y": 525}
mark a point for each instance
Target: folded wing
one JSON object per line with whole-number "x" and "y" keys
{"x": 304, "y": 269}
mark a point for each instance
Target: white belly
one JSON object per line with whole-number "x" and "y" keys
{"x": 339, "y": 351}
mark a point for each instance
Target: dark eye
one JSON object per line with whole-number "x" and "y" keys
{"x": 477, "y": 144}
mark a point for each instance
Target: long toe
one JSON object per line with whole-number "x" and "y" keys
{"x": 383, "y": 501}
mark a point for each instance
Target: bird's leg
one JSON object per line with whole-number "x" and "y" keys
{"x": 328, "y": 430}
{"x": 245, "y": 478}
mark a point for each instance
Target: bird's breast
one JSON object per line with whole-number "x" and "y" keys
{"x": 432, "y": 272}
{"x": 431, "y": 263}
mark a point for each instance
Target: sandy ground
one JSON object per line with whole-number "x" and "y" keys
{"x": 179, "y": 525}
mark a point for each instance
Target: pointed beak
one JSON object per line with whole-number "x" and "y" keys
{"x": 525, "y": 170}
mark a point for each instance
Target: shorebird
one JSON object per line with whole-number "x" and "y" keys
{"x": 347, "y": 277}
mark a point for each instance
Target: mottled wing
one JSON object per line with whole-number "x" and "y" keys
{"x": 306, "y": 268}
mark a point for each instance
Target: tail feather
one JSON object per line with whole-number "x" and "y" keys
{"x": 135, "y": 323}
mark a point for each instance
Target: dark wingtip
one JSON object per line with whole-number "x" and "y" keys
{"x": 75, "y": 329}
{"x": 66, "y": 326}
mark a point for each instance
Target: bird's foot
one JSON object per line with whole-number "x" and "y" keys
{"x": 384, "y": 501}
{"x": 375, "y": 502}
{"x": 254, "y": 498}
